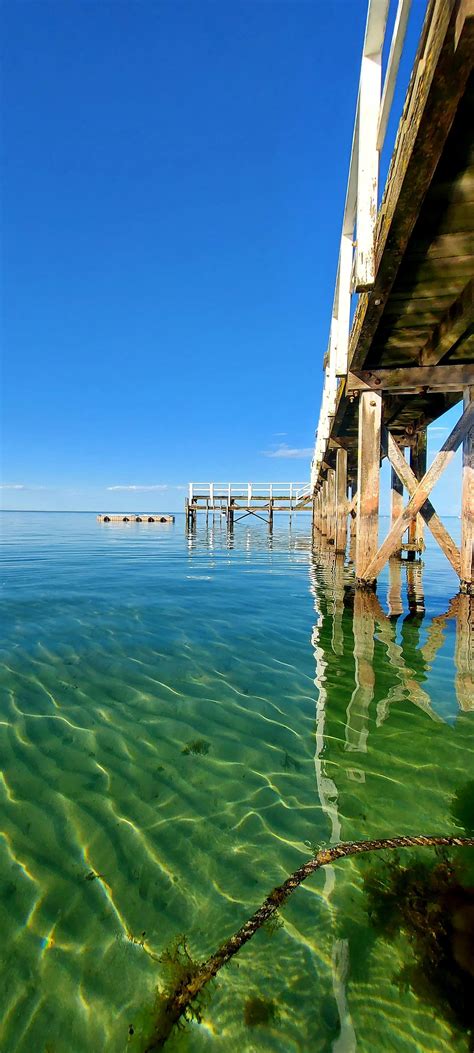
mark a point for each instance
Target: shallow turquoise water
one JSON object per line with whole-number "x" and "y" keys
{"x": 321, "y": 720}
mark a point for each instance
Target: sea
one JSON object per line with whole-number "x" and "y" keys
{"x": 186, "y": 717}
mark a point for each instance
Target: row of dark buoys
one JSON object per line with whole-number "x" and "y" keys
{"x": 138, "y": 519}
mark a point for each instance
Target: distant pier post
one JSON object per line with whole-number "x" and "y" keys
{"x": 467, "y": 513}
{"x": 368, "y": 479}
{"x": 341, "y": 501}
{"x": 418, "y": 467}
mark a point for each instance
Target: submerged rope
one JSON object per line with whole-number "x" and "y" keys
{"x": 178, "y": 1001}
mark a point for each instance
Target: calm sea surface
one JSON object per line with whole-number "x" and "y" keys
{"x": 183, "y": 717}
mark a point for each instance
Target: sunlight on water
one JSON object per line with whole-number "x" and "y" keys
{"x": 183, "y": 718}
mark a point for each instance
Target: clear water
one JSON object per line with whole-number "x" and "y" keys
{"x": 123, "y": 644}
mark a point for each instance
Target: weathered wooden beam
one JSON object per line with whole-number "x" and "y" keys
{"x": 340, "y": 539}
{"x": 368, "y": 479}
{"x": 438, "y": 83}
{"x": 449, "y": 330}
{"x": 373, "y": 567}
{"x": 410, "y": 482}
{"x": 411, "y": 378}
{"x": 467, "y": 511}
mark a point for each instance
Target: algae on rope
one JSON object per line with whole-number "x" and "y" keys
{"x": 191, "y": 978}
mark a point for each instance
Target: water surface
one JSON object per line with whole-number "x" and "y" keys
{"x": 183, "y": 717}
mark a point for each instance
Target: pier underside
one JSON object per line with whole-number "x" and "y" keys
{"x": 410, "y": 352}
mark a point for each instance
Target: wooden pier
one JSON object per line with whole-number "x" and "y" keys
{"x": 236, "y": 501}
{"x": 408, "y": 355}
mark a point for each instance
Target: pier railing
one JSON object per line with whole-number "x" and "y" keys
{"x": 356, "y": 264}
{"x": 294, "y": 492}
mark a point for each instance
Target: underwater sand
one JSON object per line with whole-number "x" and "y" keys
{"x": 182, "y": 718}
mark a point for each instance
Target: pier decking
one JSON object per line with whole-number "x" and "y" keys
{"x": 409, "y": 354}
{"x": 235, "y": 501}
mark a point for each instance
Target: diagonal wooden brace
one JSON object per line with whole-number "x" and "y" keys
{"x": 419, "y": 495}
{"x": 410, "y": 482}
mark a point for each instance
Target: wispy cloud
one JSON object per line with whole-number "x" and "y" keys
{"x": 138, "y": 486}
{"x": 291, "y": 452}
{"x": 13, "y": 486}
{"x": 432, "y": 431}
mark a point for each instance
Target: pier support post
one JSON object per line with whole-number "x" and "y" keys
{"x": 270, "y": 514}
{"x": 331, "y": 513}
{"x": 396, "y": 500}
{"x": 340, "y": 540}
{"x": 467, "y": 508}
{"x": 368, "y": 481}
{"x": 324, "y": 507}
{"x": 418, "y": 467}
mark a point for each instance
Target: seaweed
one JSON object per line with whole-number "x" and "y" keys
{"x": 198, "y": 747}
{"x": 179, "y": 970}
{"x": 462, "y": 807}
{"x": 258, "y": 1011}
{"x": 435, "y": 911}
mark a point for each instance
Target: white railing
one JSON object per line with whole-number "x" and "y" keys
{"x": 295, "y": 492}
{"x": 356, "y": 264}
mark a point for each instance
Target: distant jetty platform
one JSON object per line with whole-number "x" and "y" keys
{"x": 126, "y": 517}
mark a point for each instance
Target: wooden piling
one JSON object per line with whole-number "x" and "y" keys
{"x": 396, "y": 500}
{"x": 467, "y": 509}
{"x": 368, "y": 480}
{"x": 340, "y": 540}
{"x": 331, "y": 513}
{"x": 418, "y": 467}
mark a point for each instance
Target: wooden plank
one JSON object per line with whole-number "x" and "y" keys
{"x": 373, "y": 567}
{"x": 429, "y": 111}
{"x": 467, "y": 510}
{"x": 341, "y": 501}
{"x": 455, "y": 321}
{"x": 411, "y": 378}
{"x": 432, "y": 520}
{"x": 368, "y": 478}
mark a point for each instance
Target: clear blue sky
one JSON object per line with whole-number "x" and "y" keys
{"x": 173, "y": 182}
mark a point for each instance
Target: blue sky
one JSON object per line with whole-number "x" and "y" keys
{"x": 173, "y": 182}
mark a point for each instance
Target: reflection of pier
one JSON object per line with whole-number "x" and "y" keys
{"x": 408, "y": 355}
{"x": 373, "y": 675}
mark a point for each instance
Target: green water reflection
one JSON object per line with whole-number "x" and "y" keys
{"x": 183, "y": 717}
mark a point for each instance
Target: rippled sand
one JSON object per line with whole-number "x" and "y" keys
{"x": 181, "y": 721}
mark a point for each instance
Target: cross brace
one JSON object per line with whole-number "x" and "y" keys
{"x": 419, "y": 496}
{"x": 410, "y": 482}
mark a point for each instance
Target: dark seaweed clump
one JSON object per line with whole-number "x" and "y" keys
{"x": 259, "y": 1011}
{"x": 199, "y": 747}
{"x": 462, "y": 807}
{"x": 428, "y": 903}
{"x": 178, "y": 971}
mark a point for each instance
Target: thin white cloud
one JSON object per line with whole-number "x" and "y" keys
{"x": 135, "y": 487}
{"x": 433, "y": 430}
{"x": 12, "y": 486}
{"x": 290, "y": 452}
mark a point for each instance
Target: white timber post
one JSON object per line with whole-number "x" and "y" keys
{"x": 249, "y": 492}
{"x": 228, "y": 492}
{"x": 211, "y": 493}
{"x": 190, "y": 491}
{"x": 370, "y": 92}
{"x": 343, "y": 305}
